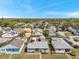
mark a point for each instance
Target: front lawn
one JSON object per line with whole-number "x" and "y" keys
{"x": 54, "y": 56}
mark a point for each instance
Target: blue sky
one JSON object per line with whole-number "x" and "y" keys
{"x": 39, "y": 8}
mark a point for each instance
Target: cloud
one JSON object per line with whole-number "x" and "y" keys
{"x": 6, "y": 17}
{"x": 73, "y": 14}
{"x": 62, "y": 14}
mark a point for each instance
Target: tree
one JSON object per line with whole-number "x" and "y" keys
{"x": 46, "y": 33}
{"x": 22, "y": 34}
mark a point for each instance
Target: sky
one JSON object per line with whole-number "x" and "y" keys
{"x": 39, "y": 8}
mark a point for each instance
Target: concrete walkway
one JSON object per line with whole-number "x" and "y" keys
{"x": 10, "y": 56}
{"x": 40, "y": 56}
{"x": 69, "y": 57}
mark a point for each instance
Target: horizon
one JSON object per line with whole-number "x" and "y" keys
{"x": 35, "y": 9}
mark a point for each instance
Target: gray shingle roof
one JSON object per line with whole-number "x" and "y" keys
{"x": 59, "y": 43}
{"x": 39, "y": 45}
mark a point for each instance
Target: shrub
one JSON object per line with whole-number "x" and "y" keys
{"x": 73, "y": 53}
{"x": 75, "y": 46}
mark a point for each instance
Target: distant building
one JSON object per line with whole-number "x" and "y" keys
{"x": 7, "y": 29}
{"x": 37, "y": 32}
{"x": 10, "y": 34}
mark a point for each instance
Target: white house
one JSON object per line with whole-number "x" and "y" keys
{"x": 41, "y": 47}
{"x": 60, "y": 46}
{"x": 5, "y": 39}
{"x": 52, "y": 33}
{"x": 74, "y": 40}
{"x": 13, "y": 47}
{"x": 7, "y": 29}
{"x": 10, "y": 34}
{"x": 37, "y": 32}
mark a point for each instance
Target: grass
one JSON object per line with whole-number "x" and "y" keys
{"x": 4, "y": 56}
{"x": 68, "y": 33}
{"x": 77, "y": 54}
{"x": 76, "y": 39}
{"x": 54, "y": 56}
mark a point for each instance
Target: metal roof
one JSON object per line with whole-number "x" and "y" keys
{"x": 39, "y": 45}
{"x": 59, "y": 43}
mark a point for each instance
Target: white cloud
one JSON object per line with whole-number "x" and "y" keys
{"x": 65, "y": 14}
{"x": 6, "y": 17}
{"x": 73, "y": 14}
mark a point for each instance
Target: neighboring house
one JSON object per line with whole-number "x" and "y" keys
{"x": 61, "y": 34}
{"x": 7, "y": 29}
{"x": 42, "y": 38}
{"x": 18, "y": 29}
{"x": 73, "y": 40}
{"x": 5, "y": 40}
{"x": 10, "y": 34}
{"x": 53, "y": 28}
{"x": 74, "y": 31}
{"x": 37, "y": 32}
{"x": 14, "y": 47}
{"x": 45, "y": 23}
{"x": 38, "y": 38}
{"x": 29, "y": 25}
{"x": 20, "y": 24}
{"x": 41, "y": 47}
{"x": 33, "y": 38}
{"x": 60, "y": 46}
{"x": 52, "y": 33}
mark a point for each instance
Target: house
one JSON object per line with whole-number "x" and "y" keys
{"x": 37, "y": 32}
{"x": 13, "y": 47}
{"x": 60, "y": 46}
{"x": 38, "y": 38}
{"x": 74, "y": 31}
{"x": 74, "y": 40}
{"x": 61, "y": 34}
{"x": 5, "y": 40}
{"x": 42, "y": 38}
{"x": 20, "y": 24}
{"x": 10, "y": 34}
{"x": 41, "y": 47}
{"x": 53, "y": 28}
{"x": 7, "y": 29}
{"x": 31, "y": 25}
{"x": 52, "y": 33}
{"x": 18, "y": 29}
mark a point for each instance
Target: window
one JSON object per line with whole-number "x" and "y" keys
{"x": 2, "y": 49}
{"x": 12, "y": 50}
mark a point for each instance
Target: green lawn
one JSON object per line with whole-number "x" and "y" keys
{"x": 54, "y": 56}
{"x": 77, "y": 54}
{"x": 76, "y": 39}
{"x": 4, "y": 56}
{"x": 68, "y": 33}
